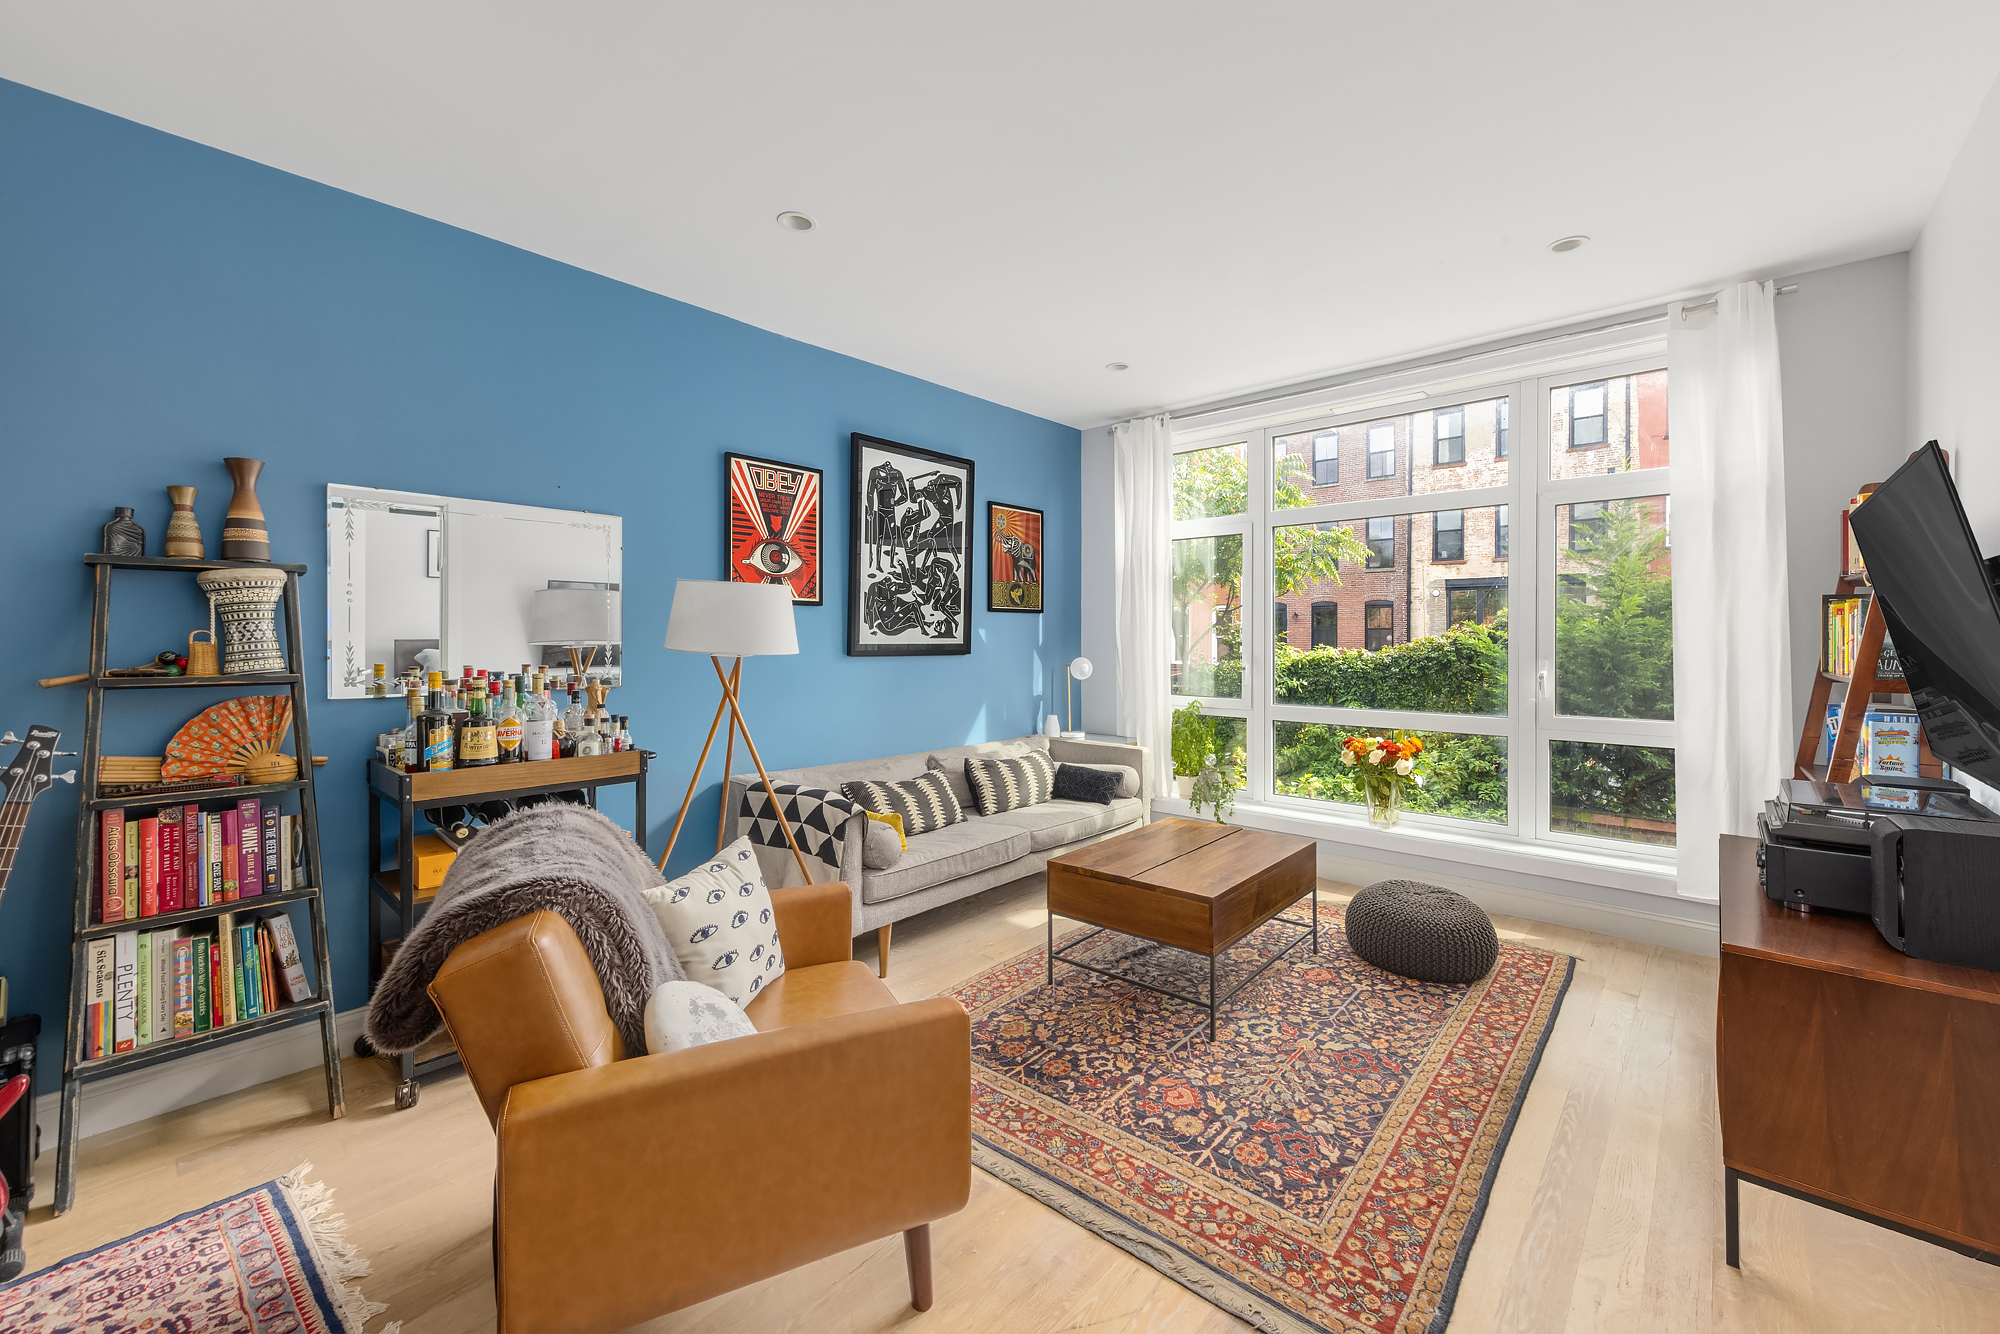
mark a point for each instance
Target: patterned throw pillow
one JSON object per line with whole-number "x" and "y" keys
{"x": 925, "y": 802}
{"x": 1010, "y": 785}
{"x": 718, "y": 918}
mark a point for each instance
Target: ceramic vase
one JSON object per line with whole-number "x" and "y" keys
{"x": 183, "y": 532}
{"x": 122, "y": 536}
{"x": 1385, "y": 807}
{"x": 1184, "y": 786}
{"x": 246, "y": 604}
{"x": 243, "y": 534}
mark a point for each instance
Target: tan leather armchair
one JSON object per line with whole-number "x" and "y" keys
{"x": 630, "y": 1186}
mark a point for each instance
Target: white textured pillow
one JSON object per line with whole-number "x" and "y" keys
{"x": 881, "y": 847}
{"x": 688, "y": 1014}
{"x": 718, "y": 918}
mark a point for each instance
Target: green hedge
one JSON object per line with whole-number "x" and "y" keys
{"x": 1463, "y": 670}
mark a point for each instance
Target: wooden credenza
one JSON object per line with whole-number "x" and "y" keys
{"x": 1852, "y": 1076}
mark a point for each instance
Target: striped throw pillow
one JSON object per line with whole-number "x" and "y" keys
{"x": 924, "y": 802}
{"x": 1009, "y": 785}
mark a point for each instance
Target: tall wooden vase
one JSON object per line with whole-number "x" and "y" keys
{"x": 243, "y": 534}
{"x": 183, "y": 532}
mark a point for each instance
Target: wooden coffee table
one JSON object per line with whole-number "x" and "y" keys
{"x": 1192, "y": 884}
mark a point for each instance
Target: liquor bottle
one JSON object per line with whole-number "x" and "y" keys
{"x": 538, "y": 734}
{"x": 507, "y": 723}
{"x": 477, "y": 744}
{"x": 625, "y": 732}
{"x": 435, "y": 725}
{"x": 379, "y": 687}
{"x": 413, "y": 737}
{"x": 572, "y": 722}
{"x": 591, "y": 742}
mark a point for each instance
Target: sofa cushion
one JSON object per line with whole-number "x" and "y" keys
{"x": 1010, "y": 784}
{"x": 951, "y": 763}
{"x": 1128, "y": 777}
{"x": 687, "y": 1014}
{"x": 925, "y": 802}
{"x": 1077, "y": 782}
{"x": 882, "y": 843}
{"x": 1054, "y": 823}
{"x": 822, "y": 991}
{"x": 962, "y": 849}
{"x": 718, "y": 918}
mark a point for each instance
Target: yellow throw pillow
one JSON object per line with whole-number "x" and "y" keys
{"x": 895, "y": 822}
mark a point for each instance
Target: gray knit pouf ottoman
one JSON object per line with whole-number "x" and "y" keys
{"x": 1422, "y": 931}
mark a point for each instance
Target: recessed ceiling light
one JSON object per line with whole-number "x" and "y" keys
{"x": 795, "y": 222}
{"x": 1116, "y": 366}
{"x": 1568, "y": 243}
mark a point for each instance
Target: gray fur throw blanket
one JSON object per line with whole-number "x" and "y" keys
{"x": 565, "y": 858}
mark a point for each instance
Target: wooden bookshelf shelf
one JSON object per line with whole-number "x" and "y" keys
{"x": 283, "y": 1017}
{"x": 161, "y": 921}
{"x": 185, "y": 682}
{"x": 192, "y": 796}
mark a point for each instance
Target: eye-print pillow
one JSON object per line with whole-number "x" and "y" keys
{"x": 718, "y": 919}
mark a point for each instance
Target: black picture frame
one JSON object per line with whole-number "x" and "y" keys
{"x": 806, "y": 544}
{"x": 1015, "y": 600}
{"x": 905, "y": 580}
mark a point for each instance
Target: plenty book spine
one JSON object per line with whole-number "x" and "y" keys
{"x": 250, "y": 867}
{"x": 111, "y": 868}
{"x": 124, "y": 990}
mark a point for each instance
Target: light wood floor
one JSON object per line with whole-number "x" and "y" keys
{"x": 1607, "y": 1213}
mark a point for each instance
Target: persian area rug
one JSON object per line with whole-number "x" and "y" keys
{"x": 1322, "y": 1166}
{"x": 268, "y": 1261}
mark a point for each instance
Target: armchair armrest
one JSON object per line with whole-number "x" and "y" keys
{"x": 815, "y": 923}
{"x": 633, "y": 1189}
{"x": 1068, "y": 750}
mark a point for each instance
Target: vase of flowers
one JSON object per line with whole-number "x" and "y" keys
{"x": 1215, "y": 788}
{"x": 1385, "y": 764}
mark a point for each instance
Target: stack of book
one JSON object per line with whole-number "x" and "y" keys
{"x": 1841, "y": 638}
{"x": 147, "y": 987}
{"x": 182, "y": 857}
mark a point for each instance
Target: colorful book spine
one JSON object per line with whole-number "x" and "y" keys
{"x": 191, "y": 858}
{"x": 163, "y": 986}
{"x": 183, "y": 987}
{"x": 131, "y": 869}
{"x": 250, "y": 867}
{"x": 268, "y": 985}
{"x": 239, "y": 983}
{"x": 111, "y": 868}
{"x": 228, "y": 840}
{"x": 271, "y": 862}
{"x": 226, "y": 1005}
{"x": 124, "y": 990}
{"x": 99, "y": 979}
{"x": 251, "y": 991}
{"x": 142, "y": 1000}
{"x": 288, "y": 964}
{"x": 204, "y": 983}
{"x": 149, "y": 866}
{"x": 170, "y": 859}
{"x": 298, "y": 857}
{"x": 211, "y": 865}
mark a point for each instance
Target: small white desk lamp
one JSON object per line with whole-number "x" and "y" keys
{"x": 1078, "y": 670}
{"x": 731, "y": 620}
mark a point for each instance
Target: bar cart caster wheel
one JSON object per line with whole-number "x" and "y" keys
{"x": 406, "y": 1095}
{"x": 363, "y": 1047}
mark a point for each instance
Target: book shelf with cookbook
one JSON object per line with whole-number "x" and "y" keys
{"x": 184, "y": 939}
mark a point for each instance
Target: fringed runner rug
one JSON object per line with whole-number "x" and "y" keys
{"x": 268, "y": 1261}
{"x": 1321, "y": 1166}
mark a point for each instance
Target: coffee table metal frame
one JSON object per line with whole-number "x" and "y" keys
{"x": 1214, "y": 1002}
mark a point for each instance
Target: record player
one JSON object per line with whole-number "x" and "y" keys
{"x": 1816, "y": 840}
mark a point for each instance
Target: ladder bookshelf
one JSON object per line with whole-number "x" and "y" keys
{"x": 91, "y": 803}
{"x": 1861, "y": 689}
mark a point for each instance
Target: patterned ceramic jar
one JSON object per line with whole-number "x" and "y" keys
{"x": 246, "y": 604}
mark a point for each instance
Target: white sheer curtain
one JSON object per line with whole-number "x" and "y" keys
{"x": 1732, "y": 657}
{"x": 1142, "y": 463}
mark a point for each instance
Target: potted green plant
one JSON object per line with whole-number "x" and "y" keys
{"x": 1193, "y": 742}
{"x": 1215, "y": 788}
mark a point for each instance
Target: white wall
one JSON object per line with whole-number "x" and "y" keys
{"x": 1843, "y": 345}
{"x": 1954, "y": 355}
{"x": 1100, "y": 603}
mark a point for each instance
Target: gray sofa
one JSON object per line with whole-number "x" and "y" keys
{"x": 948, "y": 864}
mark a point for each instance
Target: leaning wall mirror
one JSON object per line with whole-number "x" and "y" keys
{"x": 421, "y": 582}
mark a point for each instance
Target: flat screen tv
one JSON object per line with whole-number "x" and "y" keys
{"x": 1939, "y": 604}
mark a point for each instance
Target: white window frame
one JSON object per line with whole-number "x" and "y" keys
{"x": 1530, "y": 722}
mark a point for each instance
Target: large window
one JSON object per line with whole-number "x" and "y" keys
{"x": 1538, "y": 665}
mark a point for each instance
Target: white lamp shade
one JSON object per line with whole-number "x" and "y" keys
{"x": 1081, "y": 669}
{"x": 731, "y": 620}
{"x": 565, "y": 616}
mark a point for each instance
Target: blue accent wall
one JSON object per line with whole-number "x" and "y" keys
{"x": 163, "y": 305}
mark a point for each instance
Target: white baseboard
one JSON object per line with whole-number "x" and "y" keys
{"x": 120, "y": 1100}
{"x": 1692, "y": 928}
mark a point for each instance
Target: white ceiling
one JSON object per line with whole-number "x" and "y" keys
{"x": 1011, "y": 196}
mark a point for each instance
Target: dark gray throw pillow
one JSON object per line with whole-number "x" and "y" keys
{"x": 1076, "y": 783}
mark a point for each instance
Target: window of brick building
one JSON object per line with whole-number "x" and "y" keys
{"x": 1326, "y": 624}
{"x": 1448, "y": 535}
{"x": 1381, "y": 625}
{"x": 1448, "y": 436}
{"x": 1586, "y": 415}
{"x": 1381, "y": 539}
{"x": 1382, "y": 450}
{"x": 1500, "y": 533}
{"x": 1326, "y": 458}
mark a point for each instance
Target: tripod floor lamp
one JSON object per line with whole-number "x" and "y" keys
{"x": 731, "y": 620}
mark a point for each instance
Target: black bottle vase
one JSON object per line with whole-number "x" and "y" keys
{"x": 122, "y": 536}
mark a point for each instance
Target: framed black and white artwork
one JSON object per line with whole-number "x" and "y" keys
{"x": 909, "y": 585}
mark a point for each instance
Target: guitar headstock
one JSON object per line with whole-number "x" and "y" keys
{"x": 31, "y": 772}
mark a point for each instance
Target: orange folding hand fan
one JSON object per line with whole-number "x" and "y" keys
{"x": 238, "y": 736}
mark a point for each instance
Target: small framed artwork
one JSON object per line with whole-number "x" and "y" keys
{"x": 909, "y": 586}
{"x": 1013, "y": 558}
{"x": 772, "y": 528}
{"x": 432, "y": 552}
